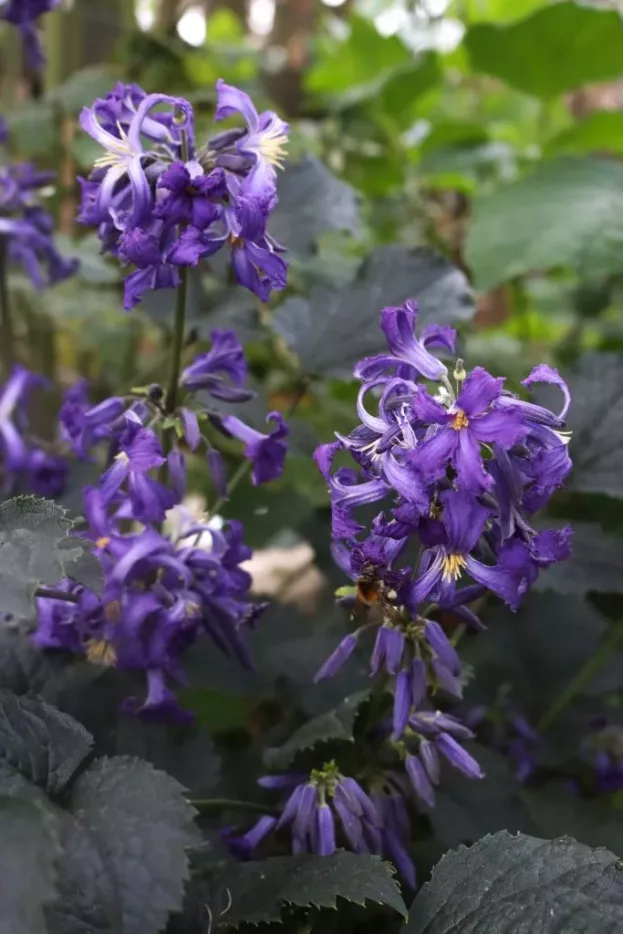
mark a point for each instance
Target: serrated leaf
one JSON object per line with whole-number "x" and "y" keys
{"x": 28, "y": 849}
{"x": 312, "y": 201}
{"x": 133, "y": 825}
{"x": 537, "y": 650}
{"x": 467, "y": 810}
{"x": 44, "y": 744}
{"x": 595, "y": 564}
{"x": 558, "y": 48}
{"x": 336, "y": 724}
{"x": 260, "y": 890}
{"x": 31, "y": 528}
{"x": 521, "y": 884}
{"x": 334, "y": 328}
{"x": 568, "y": 212}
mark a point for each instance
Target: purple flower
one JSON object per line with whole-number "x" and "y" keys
{"x": 264, "y": 141}
{"x": 193, "y": 197}
{"x": 266, "y": 452}
{"x": 408, "y": 355}
{"x": 82, "y": 425}
{"x": 321, "y": 811}
{"x": 24, "y": 14}
{"x": 146, "y": 250}
{"x": 473, "y": 419}
{"x": 221, "y": 371}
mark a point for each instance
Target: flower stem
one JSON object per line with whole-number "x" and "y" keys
{"x": 225, "y": 804}
{"x": 583, "y": 677}
{"x": 179, "y": 329}
{"x": 6, "y": 322}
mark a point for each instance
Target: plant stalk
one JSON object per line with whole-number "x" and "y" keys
{"x": 583, "y": 677}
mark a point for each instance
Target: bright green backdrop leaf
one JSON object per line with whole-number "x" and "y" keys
{"x": 558, "y": 48}
{"x": 568, "y": 212}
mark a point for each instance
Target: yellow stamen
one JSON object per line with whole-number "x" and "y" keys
{"x": 235, "y": 242}
{"x": 101, "y": 652}
{"x": 460, "y": 420}
{"x": 122, "y": 456}
{"x": 453, "y": 566}
{"x": 102, "y": 542}
{"x": 120, "y": 151}
{"x": 272, "y": 146}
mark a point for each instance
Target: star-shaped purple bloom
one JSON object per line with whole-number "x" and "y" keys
{"x": 460, "y": 430}
{"x": 267, "y": 452}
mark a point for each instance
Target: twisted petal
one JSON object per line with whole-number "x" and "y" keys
{"x": 479, "y": 390}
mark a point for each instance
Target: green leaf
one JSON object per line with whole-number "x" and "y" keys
{"x": 259, "y": 891}
{"x": 31, "y": 529}
{"x": 333, "y": 328}
{"x": 556, "y": 49}
{"x": 365, "y": 56}
{"x": 595, "y": 564}
{"x": 467, "y": 810}
{"x": 499, "y": 11}
{"x": 28, "y": 849}
{"x": 521, "y": 884}
{"x": 600, "y": 131}
{"x": 82, "y": 87}
{"x": 568, "y": 212}
{"x": 44, "y": 744}
{"x": 556, "y": 811}
{"x": 125, "y": 855}
{"x": 596, "y": 420}
{"x": 334, "y": 725}
{"x": 33, "y": 129}
{"x": 537, "y": 650}
{"x": 312, "y": 201}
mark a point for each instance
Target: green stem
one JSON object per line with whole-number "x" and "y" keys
{"x": 225, "y": 804}
{"x": 583, "y": 677}
{"x": 179, "y": 329}
{"x": 6, "y": 322}
{"x": 244, "y": 468}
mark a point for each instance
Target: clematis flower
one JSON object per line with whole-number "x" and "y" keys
{"x": 266, "y": 452}
{"x": 472, "y": 420}
{"x": 265, "y": 140}
{"x": 24, "y": 14}
{"x": 209, "y": 371}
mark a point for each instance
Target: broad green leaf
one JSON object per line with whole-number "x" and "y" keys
{"x": 596, "y": 420}
{"x": 601, "y": 131}
{"x": 558, "y": 48}
{"x": 31, "y": 529}
{"x": 536, "y": 651}
{"x": 334, "y": 725}
{"x": 466, "y": 810}
{"x": 28, "y": 849}
{"x": 82, "y": 87}
{"x": 521, "y": 884}
{"x": 568, "y": 212}
{"x": 312, "y": 201}
{"x": 42, "y": 743}
{"x": 595, "y": 564}
{"x": 496, "y": 11}
{"x": 259, "y": 891}
{"x": 365, "y": 56}
{"x": 333, "y": 328}
{"x": 125, "y": 854}
{"x": 33, "y": 129}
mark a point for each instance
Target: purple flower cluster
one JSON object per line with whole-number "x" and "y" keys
{"x": 510, "y": 733}
{"x": 461, "y": 465}
{"x": 161, "y": 203}
{"x": 26, "y": 465}
{"x": 24, "y": 15}
{"x": 28, "y": 228}
{"x": 159, "y": 594}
